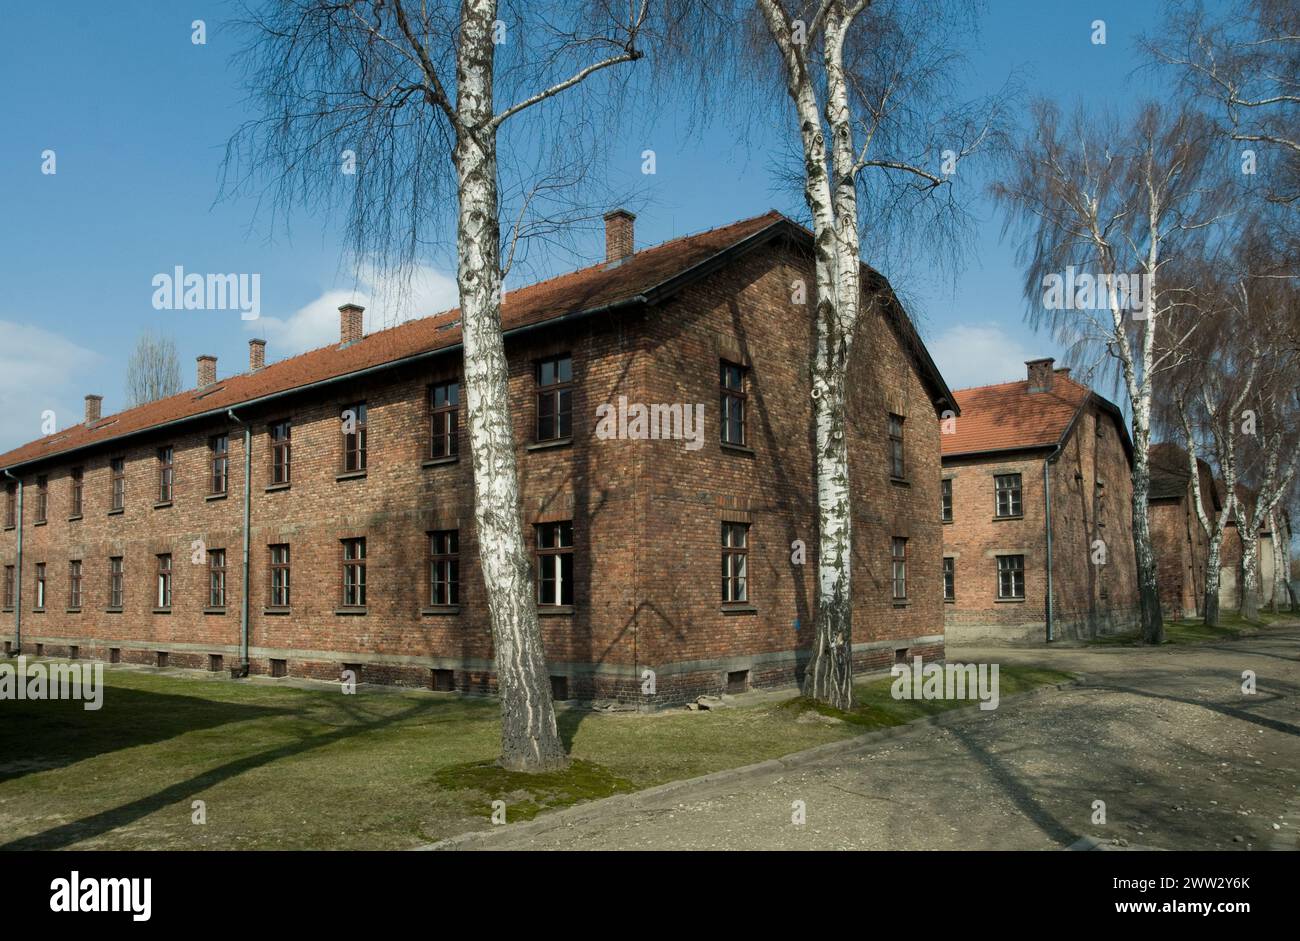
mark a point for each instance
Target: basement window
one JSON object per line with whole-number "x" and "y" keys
{"x": 559, "y": 687}
{"x": 114, "y": 654}
{"x": 442, "y": 681}
{"x": 9, "y": 648}
{"x": 215, "y": 662}
{"x": 40, "y": 650}
{"x": 354, "y": 669}
{"x": 162, "y": 658}
{"x": 900, "y": 655}
{"x": 74, "y": 652}
{"x": 279, "y": 668}
{"x": 737, "y": 681}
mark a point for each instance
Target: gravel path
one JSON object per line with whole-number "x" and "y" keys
{"x": 1182, "y": 758}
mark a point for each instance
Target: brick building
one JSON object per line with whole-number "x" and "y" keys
{"x": 1037, "y": 490}
{"x": 1179, "y": 539}
{"x": 1231, "y": 576}
{"x": 335, "y": 486}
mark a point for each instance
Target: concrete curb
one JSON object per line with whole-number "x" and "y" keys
{"x": 800, "y": 759}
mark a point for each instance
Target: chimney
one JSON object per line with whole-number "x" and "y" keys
{"x": 619, "y": 242}
{"x": 256, "y": 354}
{"x": 93, "y": 403}
{"x": 1040, "y": 374}
{"x": 1063, "y": 371}
{"x": 350, "y": 323}
{"x": 207, "y": 370}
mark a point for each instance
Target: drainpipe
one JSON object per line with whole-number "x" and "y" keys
{"x": 18, "y": 572}
{"x": 242, "y": 669}
{"x": 1047, "y": 523}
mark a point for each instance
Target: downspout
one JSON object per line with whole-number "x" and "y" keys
{"x": 242, "y": 669}
{"x": 1047, "y": 524}
{"x": 18, "y": 572}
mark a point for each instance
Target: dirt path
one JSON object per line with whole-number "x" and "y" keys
{"x": 1182, "y": 758}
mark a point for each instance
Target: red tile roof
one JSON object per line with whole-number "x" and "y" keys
{"x": 649, "y": 275}
{"x": 1008, "y": 417}
{"x": 587, "y": 289}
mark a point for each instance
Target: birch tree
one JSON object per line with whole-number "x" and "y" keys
{"x": 1118, "y": 202}
{"x": 153, "y": 371}
{"x": 859, "y": 79}
{"x": 398, "y": 109}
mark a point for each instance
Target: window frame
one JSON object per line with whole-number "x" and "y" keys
{"x": 733, "y": 397}
{"x": 444, "y": 420}
{"x": 949, "y": 578}
{"x": 443, "y": 568}
{"x": 11, "y": 505}
{"x": 554, "y": 391}
{"x": 116, "y": 581}
{"x": 945, "y": 500}
{"x": 897, "y": 449}
{"x": 117, "y": 483}
{"x": 42, "y": 498}
{"x": 11, "y": 585}
{"x": 77, "y": 491}
{"x": 355, "y": 444}
{"x": 219, "y": 464}
{"x": 553, "y": 557}
{"x": 40, "y": 585}
{"x": 898, "y": 568}
{"x": 281, "y": 451}
{"x": 166, "y": 473}
{"x": 735, "y": 563}
{"x": 1012, "y": 571}
{"x": 74, "y": 583}
{"x": 279, "y": 575}
{"x": 163, "y": 581}
{"x": 352, "y": 574}
{"x": 1015, "y": 496}
{"x": 216, "y": 578}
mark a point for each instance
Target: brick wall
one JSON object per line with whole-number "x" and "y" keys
{"x": 646, "y": 515}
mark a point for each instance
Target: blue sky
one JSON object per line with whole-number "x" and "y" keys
{"x": 138, "y": 115}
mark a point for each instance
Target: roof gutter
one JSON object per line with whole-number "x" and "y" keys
{"x": 18, "y": 573}
{"x": 332, "y": 380}
{"x": 242, "y": 669}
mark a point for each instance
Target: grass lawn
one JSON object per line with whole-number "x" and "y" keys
{"x": 1193, "y": 631}
{"x": 281, "y": 767}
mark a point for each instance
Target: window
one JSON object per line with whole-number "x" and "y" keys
{"x": 945, "y": 499}
{"x": 117, "y": 471}
{"x": 896, "y": 465}
{"x": 555, "y": 563}
{"x": 11, "y": 505}
{"x": 735, "y": 562}
{"x": 115, "y": 581}
{"x": 164, "y": 599}
{"x": 40, "y": 585}
{"x": 354, "y": 438}
{"x": 354, "y": 573}
{"x": 42, "y": 498}
{"x": 10, "y": 575}
{"x": 74, "y": 583}
{"x": 216, "y": 578}
{"x": 219, "y": 452}
{"x": 280, "y": 576}
{"x": 78, "y": 480}
{"x": 1007, "y": 488}
{"x": 280, "y": 452}
{"x": 732, "y": 382}
{"x": 555, "y": 398}
{"x": 165, "y": 456}
{"x": 900, "y": 568}
{"x": 444, "y": 567}
{"x": 444, "y": 409}
{"x": 1011, "y": 576}
{"x": 949, "y": 579}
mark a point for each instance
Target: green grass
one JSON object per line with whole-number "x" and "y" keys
{"x": 280, "y": 767}
{"x": 1194, "y": 631}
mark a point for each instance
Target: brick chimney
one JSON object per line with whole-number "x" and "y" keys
{"x": 1040, "y": 374}
{"x": 256, "y": 354}
{"x": 207, "y": 370}
{"x": 619, "y": 242}
{"x": 350, "y": 323}
{"x": 93, "y": 403}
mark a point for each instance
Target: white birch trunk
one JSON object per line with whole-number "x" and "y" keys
{"x": 529, "y": 738}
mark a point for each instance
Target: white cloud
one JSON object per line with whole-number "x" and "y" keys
{"x": 39, "y": 371}
{"x": 387, "y": 302}
{"x": 979, "y": 355}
